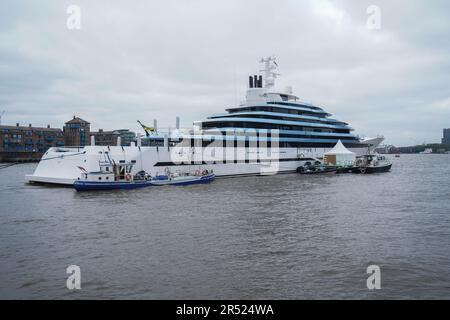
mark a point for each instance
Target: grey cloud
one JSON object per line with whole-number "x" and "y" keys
{"x": 159, "y": 59}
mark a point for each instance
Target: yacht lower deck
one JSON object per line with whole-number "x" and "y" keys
{"x": 65, "y": 165}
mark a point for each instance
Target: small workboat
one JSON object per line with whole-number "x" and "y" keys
{"x": 111, "y": 176}
{"x": 370, "y": 163}
{"x": 317, "y": 168}
{"x": 97, "y": 185}
{"x": 182, "y": 179}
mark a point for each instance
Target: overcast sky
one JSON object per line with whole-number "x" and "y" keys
{"x": 161, "y": 59}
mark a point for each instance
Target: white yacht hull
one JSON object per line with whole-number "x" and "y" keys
{"x": 65, "y": 165}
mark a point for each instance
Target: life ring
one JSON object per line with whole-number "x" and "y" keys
{"x": 128, "y": 177}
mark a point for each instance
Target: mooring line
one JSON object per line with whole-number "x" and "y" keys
{"x": 4, "y": 166}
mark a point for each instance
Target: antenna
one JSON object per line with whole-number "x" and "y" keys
{"x": 1, "y": 115}
{"x": 269, "y": 75}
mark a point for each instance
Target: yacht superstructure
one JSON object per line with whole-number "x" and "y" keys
{"x": 271, "y": 132}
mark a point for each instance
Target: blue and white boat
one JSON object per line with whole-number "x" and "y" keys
{"x": 183, "y": 179}
{"x": 95, "y": 185}
{"x": 111, "y": 176}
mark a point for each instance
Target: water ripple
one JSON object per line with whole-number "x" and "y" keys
{"x": 285, "y": 237}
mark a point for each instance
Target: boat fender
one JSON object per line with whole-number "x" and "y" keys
{"x": 128, "y": 177}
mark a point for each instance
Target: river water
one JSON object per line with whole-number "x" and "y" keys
{"x": 276, "y": 237}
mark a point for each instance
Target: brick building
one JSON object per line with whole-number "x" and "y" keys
{"x": 77, "y": 133}
{"x": 105, "y": 138}
{"x": 27, "y": 143}
{"x": 109, "y": 138}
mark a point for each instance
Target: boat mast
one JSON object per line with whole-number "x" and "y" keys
{"x": 269, "y": 75}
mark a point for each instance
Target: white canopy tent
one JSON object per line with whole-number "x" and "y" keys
{"x": 339, "y": 156}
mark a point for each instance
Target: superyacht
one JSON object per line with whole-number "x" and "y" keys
{"x": 271, "y": 132}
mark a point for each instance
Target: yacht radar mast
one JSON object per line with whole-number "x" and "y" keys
{"x": 269, "y": 75}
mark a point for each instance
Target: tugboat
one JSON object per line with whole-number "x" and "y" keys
{"x": 112, "y": 176}
{"x": 198, "y": 177}
{"x": 371, "y": 164}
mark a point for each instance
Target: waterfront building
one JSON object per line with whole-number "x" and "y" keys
{"x": 446, "y": 136}
{"x": 77, "y": 132}
{"x": 127, "y": 137}
{"x": 110, "y": 138}
{"x": 28, "y": 143}
{"x": 105, "y": 138}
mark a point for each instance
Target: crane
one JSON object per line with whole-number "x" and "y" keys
{"x": 1, "y": 115}
{"x": 147, "y": 129}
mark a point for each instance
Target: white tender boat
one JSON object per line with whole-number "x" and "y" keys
{"x": 183, "y": 179}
